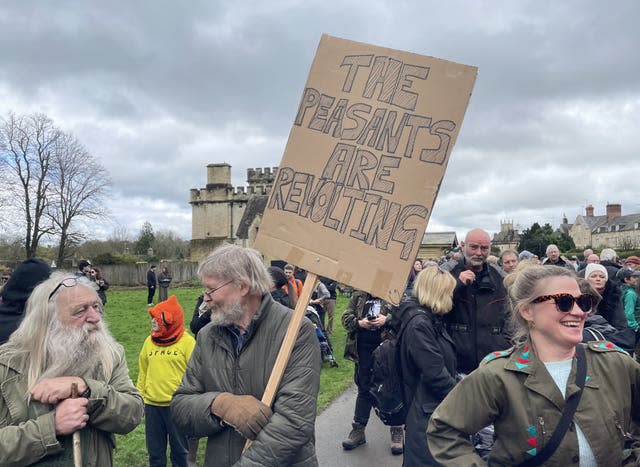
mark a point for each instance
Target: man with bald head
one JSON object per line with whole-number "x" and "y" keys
{"x": 477, "y": 321}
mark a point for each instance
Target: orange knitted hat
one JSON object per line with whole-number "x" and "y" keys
{"x": 169, "y": 318}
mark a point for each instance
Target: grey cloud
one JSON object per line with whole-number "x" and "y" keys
{"x": 159, "y": 89}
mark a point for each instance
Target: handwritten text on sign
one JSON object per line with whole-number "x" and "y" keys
{"x": 364, "y": 161}
{"x": 354, "y": 175}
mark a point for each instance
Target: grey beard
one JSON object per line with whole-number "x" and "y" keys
{"x": 72, "y": 351}
{"x": 474, "y": 262}
{"x": 226, "y": 315}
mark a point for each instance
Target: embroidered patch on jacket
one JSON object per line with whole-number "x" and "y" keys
{"x": 605, "y": 345}
{"x": 532, "y": 440}
{"x": 522, "y": 361}
{"x": 497, "y": 354}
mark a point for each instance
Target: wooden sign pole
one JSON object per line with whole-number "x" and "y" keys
{"x": 287, "y": 344}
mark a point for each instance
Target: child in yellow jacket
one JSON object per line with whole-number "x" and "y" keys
{"x": 162, "y": 362}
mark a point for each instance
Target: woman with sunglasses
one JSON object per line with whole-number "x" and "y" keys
{"x": 525, "y": 390}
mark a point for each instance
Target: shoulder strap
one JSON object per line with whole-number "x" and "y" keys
{"x": 406, "y": 323}
{"x": 597, "y": 335}
{"x": 567, "y": 414}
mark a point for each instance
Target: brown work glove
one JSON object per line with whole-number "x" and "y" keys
{"x": 245, "y": 413}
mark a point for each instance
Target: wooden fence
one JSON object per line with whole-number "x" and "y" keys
{"x": 135, "y": 275}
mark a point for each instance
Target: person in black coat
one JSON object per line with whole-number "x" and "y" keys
{"x": 610, "y": 307}
{"x": 427, "y": 357}
{"x": 280, "y": 291}
{"x": 151, "y": 284}
{"x": 16, "y": 292}
{"x": 201, "y": 316}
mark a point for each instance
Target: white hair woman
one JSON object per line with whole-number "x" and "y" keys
{"x": 427, "y": 357}
{"x": 610, "y": 308}
{"x": 524, "y": 391}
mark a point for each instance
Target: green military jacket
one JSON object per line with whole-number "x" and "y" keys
{"x": 27, "y": 430}
{"x": 513, "y": 390}
{"x": 355, "y": 312}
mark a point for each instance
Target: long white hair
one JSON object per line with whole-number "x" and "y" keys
{"x": 33, "y": 336}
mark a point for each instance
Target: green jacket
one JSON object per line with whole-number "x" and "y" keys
{"x": 27, "y": 431}
{"x": 513, "y": 390}
{"x": 631, "y": 305}
{"x": 288, "y": 439}
{"x": 355, "y": 312}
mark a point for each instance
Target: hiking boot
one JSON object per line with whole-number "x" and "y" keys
{"x": 355, "y": 438}
{"x": 397, "y": 440}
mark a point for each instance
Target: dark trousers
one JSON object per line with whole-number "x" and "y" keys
{"x": 163, "y": 294}
{"x": 158, "y": 426}
{"x": 416, "y": 450}
{"x": 364, "y": 400}
{"x": 152, "y": 292}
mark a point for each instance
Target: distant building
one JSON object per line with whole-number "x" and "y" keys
{"x": 436, "y": 244}
{"x": 507, "y": 238}
{"x": 565, "y": 227}
{"x": 611, "y": 230}
{"x": 223, "y": 213}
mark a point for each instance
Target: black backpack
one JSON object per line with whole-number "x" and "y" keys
{"x": 386, "y": 386}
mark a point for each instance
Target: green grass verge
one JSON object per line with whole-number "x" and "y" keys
{"x": 129, "y": 322}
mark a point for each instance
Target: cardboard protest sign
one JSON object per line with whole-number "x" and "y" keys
{"x": 363, "y": 164}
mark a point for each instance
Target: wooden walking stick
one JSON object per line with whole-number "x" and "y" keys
{"x": 287, "y": 344}
{"x": 77, "y": 448}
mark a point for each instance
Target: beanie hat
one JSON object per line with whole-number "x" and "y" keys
{"x": 169, "y": 317}
{"x": 625, "y": 273}
{"x": 83, "y": 264}
{"x": 524, "y": 254}
{"x": 23, "y": 280}
{"x": 591, "y": 267}
{"x": 632, "y": 260}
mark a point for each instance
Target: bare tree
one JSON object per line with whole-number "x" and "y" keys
{"x": 78, "y": 185}
{"x": 27, "y": 145}
{"x": 49, "y": 179}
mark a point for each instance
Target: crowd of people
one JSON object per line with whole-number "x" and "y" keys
{"x": 509, "y": 360}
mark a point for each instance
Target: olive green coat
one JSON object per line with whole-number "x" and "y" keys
{"x": 27, "y": 431}
{"x": 513, "y": 390}
{"x": 288, "y": 439}
{"x": 355, "y": 312}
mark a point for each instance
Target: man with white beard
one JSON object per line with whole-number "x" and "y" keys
{"x": 220, "y": 395}
{"x": 63, "y": 340}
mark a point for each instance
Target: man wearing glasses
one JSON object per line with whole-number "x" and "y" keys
{"x": 63, "y": 342}
{"x": 228, "y": 372}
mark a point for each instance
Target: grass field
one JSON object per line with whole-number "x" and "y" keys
{"x": 129, "y": 322}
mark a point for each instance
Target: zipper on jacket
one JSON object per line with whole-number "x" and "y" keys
{"x": 543, "y": 433}
{"x": 625, "y": 435}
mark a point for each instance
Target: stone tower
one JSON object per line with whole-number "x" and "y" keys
{"x": 218, "y": 208}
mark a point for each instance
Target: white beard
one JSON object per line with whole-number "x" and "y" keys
{"x": 74, "y": 351}
{"x": 226, "y": 315}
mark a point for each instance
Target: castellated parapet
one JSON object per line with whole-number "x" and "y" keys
{"x": 261, "y": 176}
{"x": 218, "y": 207}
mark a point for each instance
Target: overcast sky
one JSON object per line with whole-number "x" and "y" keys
{"x": 156, "y": 90}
